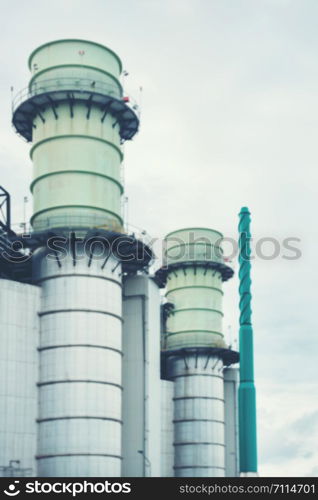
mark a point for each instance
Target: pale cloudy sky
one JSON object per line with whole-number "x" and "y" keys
{"x": 229, "y": 118}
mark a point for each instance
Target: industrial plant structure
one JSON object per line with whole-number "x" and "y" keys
{"x": 108, "y": 369}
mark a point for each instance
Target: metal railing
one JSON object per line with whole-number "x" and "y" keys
{"x": 72, "y": 85}
{"x": 15, "y": 471}
{"x": 69, "y": 222}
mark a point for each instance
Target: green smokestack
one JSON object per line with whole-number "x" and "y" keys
{"x": 246, "y": 395}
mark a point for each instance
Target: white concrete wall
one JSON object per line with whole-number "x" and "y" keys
{"x": 19, "y": 329}
{"x": 141, "y": 377}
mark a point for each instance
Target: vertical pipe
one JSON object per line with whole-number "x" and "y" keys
{"x": 231, "y": 382}
{"x": 167, "y": 449}
{"x": 8, "y": 211}
{"x": 247, "y": 396}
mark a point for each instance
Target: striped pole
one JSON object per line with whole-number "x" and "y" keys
{"x": 246, "y": 394}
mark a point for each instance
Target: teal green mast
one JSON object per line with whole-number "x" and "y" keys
{"x": 246, "y": 395}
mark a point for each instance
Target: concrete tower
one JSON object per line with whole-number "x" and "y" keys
{"x": 75, "y": 114}
{"x": 194, "y": 349}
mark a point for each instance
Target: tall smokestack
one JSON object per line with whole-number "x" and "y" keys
{"x": 195, "y": 349}
{"x": 247, "y": 396}
{"x": 75, "y": 114}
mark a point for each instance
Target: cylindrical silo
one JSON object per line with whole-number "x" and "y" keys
{"x": 80, "y": 390}
{"x": 75, "y": 114}
{"x": 195, "y": 349}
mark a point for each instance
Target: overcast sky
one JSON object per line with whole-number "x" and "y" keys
{"x": 229, "y": 118}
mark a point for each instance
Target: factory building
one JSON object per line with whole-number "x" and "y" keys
{"x": 108, "y": 369}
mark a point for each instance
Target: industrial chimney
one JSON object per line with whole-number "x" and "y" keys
{"x": 74, "y": 113}
{"x": 194, "y": 349}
